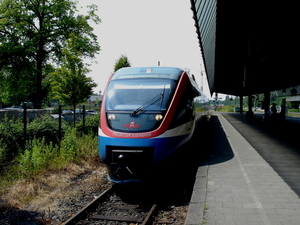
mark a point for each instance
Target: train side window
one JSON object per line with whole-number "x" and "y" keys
{"x": 185, "y": 110}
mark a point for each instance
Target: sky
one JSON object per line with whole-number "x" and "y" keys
{"x": 147, "y": 32}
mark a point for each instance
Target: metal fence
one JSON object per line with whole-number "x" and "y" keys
{"x": 62, "y": 113}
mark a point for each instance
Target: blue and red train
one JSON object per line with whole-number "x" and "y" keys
{"x": 147, "y": 113}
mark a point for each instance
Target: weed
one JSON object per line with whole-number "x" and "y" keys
{"x": 11, "y": 133}
{"x": 2, "y": 152}
{"x": 68, "y": 145}
{"x": 37, "y": 157}
{"x": 41, "y": 154}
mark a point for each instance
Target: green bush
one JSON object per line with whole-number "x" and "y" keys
{"x": 12, "y": 132}
{"x": 2, "y": 153}
{"x": 91, "y": 124}
{"x": 73, "y": 147}
{"x": 42, "y": 150}
{"x": 87, "y": 147}
{"x": 68, "y": 145}
{"x": 40, "y": 156}
{"x": 44, "y": 127}
{"x": 12, "y": 135}
{"x": 37, "y": 157}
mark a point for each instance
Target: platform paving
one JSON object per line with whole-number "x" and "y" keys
{"x": 236, "y": 185}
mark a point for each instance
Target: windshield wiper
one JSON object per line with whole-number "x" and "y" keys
{"x": 147, "y": 104}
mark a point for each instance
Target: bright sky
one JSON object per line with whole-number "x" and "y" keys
{"x": 146, "y": 32}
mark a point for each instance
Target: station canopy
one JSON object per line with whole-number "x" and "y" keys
{"x": 248, "y": 47}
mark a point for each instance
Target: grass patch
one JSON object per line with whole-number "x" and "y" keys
{"x": 45, "y": 168}
{"x": 41, "y": 157}
{"x": 228, "y": 108}
{"x": 293, "y": 115}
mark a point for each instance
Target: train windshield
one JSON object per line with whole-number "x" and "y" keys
{"x": 138, "y": 95}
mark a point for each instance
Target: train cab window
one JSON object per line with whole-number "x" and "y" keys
{"x": 138, "y": 101}
{"x": 130, "y": 94}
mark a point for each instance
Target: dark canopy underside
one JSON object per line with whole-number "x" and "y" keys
{"x": 249, "y": 47}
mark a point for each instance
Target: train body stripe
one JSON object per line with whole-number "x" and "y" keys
{"x": 183, "y": 129}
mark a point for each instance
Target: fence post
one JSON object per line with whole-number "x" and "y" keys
{"x": 83, "y": 118}
{"x": 25, "y": 124}
{"x": 59, "y": 123}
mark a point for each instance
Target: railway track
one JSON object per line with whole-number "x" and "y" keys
{"x": 164, "y": 201}
{"x": 111, "y": 207}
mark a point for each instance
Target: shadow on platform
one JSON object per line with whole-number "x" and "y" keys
{"x": 276, "y": 141}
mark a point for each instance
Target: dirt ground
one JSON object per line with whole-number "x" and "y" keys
{"x": 51, "y": 197}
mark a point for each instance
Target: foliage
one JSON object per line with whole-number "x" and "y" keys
{"x": 11, "y": 135}
{"x": 122, "y": 62}
{"x": 294, "y": 110}
{"x": 16, "y": 84}
{"x": 42, "y": 150}
{"x": 40, "y": 156}
{"x": 44, "y": 127}
{"x": 68, "y": 145}
{"x": 226, "y": 109}
{"x": 2, "y": 152}
{"x": 69, "y": 82}
{"x": 32, "y": 36}
{"x": 258, "y": 102}
{"x": 37, "y": 157}
{"x": 91, "y": 124}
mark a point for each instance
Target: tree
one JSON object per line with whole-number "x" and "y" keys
{"x": 32, "y": 36}
{"x": 69, "y": 82}
{"x": 122, "y": 62}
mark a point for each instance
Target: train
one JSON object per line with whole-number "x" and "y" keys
{"x": 147, "y": 113}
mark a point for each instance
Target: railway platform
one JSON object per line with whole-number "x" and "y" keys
{"x": 250, "y": 175}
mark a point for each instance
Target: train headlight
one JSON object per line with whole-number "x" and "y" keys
{"x": 159, "y": 117}
{"x": 111, "y": 116}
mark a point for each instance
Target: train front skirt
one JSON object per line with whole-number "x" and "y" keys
{"x": 130, "y": 160}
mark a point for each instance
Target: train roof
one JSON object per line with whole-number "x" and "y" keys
{"x": 158, "y": 72}
{"x": 148, "y": 72}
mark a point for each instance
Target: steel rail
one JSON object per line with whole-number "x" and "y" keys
{"x": 82, "y": 213}
{"x": 147, "y": 219}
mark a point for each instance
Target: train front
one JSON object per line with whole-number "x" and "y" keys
{"x": 135, "y": 118}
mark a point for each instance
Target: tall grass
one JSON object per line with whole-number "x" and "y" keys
{"x": 2, "y": 152}
{"x": 11, "y": 135}
{"x": 43, "y": 151}
{"x": 229, "y": 108}
{"x": 41, "y": 156}
{"x": 37, "y": 157}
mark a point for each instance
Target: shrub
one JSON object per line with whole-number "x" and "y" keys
{"x": 2, "y": 153}
{"x": 42, "y": 151}
{"x": 40, "y": 156}
{"x": 91, "y": 124}
{"x": 44, "y": 127}
{"x": 68, "y": 145}
{"x": 12, "y": 135}
{"x": 87, "y": 147}
{"x": 37, "y": 157}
